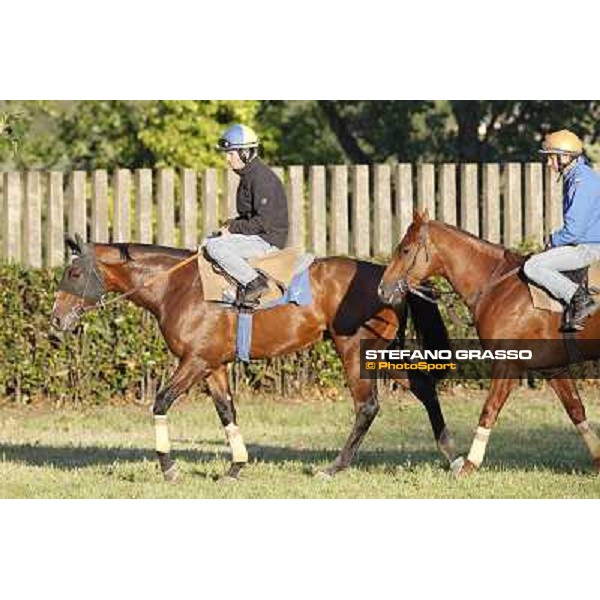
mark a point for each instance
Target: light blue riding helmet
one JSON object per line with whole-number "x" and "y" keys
{"x": 237, "y": 137}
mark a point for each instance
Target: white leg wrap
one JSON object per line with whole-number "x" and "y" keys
{"x": 239, "y": 454}
{"x": 477, "y": 452}
{"x": 590, "y": 438}
{"x": 161, "y": 428}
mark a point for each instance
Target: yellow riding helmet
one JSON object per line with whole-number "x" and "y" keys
{"x": 562, "y": 142}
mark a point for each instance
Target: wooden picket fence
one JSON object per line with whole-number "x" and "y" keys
{"x": 340, "y": 209}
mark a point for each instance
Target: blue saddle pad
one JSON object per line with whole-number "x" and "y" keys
{"x": 299, "y": 292}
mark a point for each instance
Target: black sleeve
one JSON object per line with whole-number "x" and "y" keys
{"x": 265, "y": 194}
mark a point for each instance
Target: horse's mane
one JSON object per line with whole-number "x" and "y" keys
{"x": 129, "y": 252}
{"x": 512, "y": 258}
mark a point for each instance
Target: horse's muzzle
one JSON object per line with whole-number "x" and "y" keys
{"x": 390, "y": 294}
{"x": 66, "y": 322}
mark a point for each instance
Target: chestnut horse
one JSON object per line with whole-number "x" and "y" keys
{"x": 487, "y": 277}
{"x": 166, "y": 282}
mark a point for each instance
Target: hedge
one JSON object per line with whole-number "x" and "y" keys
{"x": 119, "y": 352}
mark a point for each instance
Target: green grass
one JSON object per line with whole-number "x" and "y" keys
{"x": 107, "y": 452}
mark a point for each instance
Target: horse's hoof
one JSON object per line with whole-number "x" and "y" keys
{"x": 325, "y": 474}
{"x": 597, "y": 465}
{"x": 171, "y": 475}
{"x": 233, "y": 473}
{"x": 468, "y": 468}
{"x": 228, "y": 479}
{"x": 456, "y": 465}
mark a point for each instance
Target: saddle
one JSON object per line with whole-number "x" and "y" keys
{"x": 278, "y": 267}
{"x": 589, "y": 277}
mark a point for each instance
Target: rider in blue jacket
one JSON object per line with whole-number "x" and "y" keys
{"x": 577, "y": 243}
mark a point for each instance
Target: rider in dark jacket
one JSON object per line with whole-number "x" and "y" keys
{"x": 262, "y": 222}
{"x": 261, "y": 204}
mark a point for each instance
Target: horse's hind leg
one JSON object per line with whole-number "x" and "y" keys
{"x": 218, "y": 384}
{"x": 566, "y": 390}
{"x": 187, "y": 373}
{"x": 366, "y": 407}
{"x": 422, "y": 386}
{"x": 366, "y": 404}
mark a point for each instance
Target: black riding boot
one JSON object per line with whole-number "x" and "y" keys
{"x": 583, "y": 306}
{"x": 568, "y": 324}
{"x": 252, "y": 292}
{"x": 580, "y": 308}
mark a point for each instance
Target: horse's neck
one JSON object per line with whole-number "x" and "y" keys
{"x": 133, "y": 276}
{"x": 468, "y": 263}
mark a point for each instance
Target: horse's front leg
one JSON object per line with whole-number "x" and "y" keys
{"x": 218, "y": 385}
{"x": 188, "y": 372}
{"x": 503, "y": 382}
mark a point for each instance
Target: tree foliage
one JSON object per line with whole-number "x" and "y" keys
{"x": 105, "y": 133}
{"x": 92, "y": 134}
{"x": 467, "y": 130}
{"x": 184, "y": 133}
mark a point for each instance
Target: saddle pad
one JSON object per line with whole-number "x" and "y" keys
{"x": 281, "y": 266}
{"x": 299, "y": 292}
{"x": 542, "y": 300}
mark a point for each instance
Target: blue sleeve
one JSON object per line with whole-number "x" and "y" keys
{"x": 577, "y": 216}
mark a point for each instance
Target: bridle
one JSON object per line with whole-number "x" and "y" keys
{"x": 403, "y": 285}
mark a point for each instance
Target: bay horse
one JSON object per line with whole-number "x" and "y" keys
{"x": 202, "y": 335}
{"x": 487, "y": 277}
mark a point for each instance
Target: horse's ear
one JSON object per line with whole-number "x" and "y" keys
{"x": 73, "y": 244}
{"x": 425, "y": 215}
{"x": 416, "y": 216}
{"x": 80, "y": 242}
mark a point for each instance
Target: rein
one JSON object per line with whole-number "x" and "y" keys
{"x": 492, "y": 282}
{"x": 79, "y": 310}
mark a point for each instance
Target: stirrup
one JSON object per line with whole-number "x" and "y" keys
{"x": 568, "y": 324}
{"x": 244, "y": 303}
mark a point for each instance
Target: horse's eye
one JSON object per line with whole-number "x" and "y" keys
{"x": 405, "y": 250}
